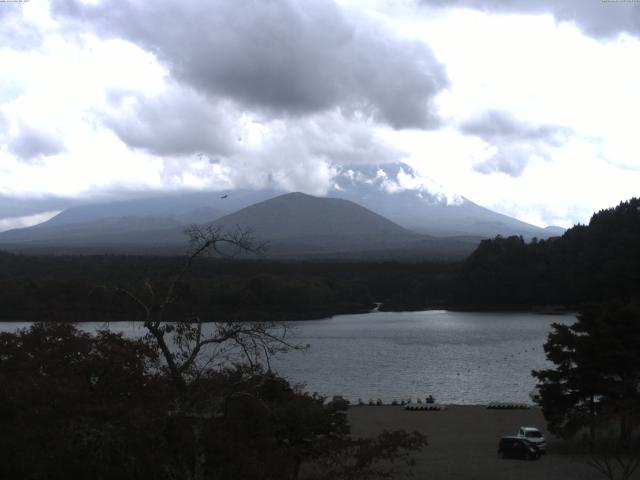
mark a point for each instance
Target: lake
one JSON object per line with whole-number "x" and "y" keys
{"x": 458, "y": 357}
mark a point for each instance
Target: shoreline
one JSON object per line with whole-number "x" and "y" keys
{"x": 286, "y": 317}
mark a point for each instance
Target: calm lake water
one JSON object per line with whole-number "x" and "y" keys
{"x": 458, "y": 357}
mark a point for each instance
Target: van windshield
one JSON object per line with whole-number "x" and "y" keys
{"x": 532, "y": 434}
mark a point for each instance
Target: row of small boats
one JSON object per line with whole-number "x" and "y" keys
{"x": 429, "y": 406}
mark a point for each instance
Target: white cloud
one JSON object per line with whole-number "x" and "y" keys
{"x": 82, "y": 113}
{"x": 541, "y": 73}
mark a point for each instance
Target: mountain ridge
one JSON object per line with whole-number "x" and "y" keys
{"x": 294, "y": 224}
{"x": 395, "y": 191}
{"x": 400, "y": 194}
{"x": 383, "y": 207}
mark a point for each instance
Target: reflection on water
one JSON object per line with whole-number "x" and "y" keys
{"x": 459, "y": 357}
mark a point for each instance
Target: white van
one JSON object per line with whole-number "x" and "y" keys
{"x": 533, "y": 436}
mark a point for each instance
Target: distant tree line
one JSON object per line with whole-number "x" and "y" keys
{"x": 597, "y": 262}
{"x": 61, "y": 288}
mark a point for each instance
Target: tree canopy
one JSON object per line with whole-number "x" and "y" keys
{"x": 597, "y": 262}
{"x": 596, "y": 379}
{"x": 75, "y": 405}
{"x": 188, "y": 401}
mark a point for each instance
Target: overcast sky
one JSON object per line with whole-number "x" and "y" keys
{"x": 530, "y": 108}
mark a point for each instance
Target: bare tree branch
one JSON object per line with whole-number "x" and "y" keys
{"x": 187, "y": 360}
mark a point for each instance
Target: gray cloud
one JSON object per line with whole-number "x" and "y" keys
{"x": 509, "y": 159}
{"x": 345, "y": 142}
{"x": 291, "y": 154}
{"x": 181, "y": 122}
{"x": 515, "y": 141}
{"x": 498, "y": 124}
{"x": 598, "y": 18}
{"x": 31, "y": 142}
{"x": 4, "y": 125}
{"x": 305, "y": 155}
{"x": 281, "y": 56}
{"x": 14, "y": 30}
{"x": 177, "y": 123}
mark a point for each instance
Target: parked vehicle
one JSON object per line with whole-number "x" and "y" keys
{"x": 534, "y": 436}
{"x": 517, "y": 447}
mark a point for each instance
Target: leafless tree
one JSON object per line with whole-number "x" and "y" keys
{"x": 191, "y": 348}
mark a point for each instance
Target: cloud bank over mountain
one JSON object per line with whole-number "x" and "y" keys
{"x": 491, "y": 100}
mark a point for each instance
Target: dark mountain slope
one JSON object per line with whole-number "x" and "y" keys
{"x": 297, "y": 215}
{"x": 301, "y": 225}
{"x": 137, "y": 235}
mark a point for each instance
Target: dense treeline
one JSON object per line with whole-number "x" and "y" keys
{"x": 75, "y": 405}
{"x": 81, "y": 288}
{"x": 589, "y": 263}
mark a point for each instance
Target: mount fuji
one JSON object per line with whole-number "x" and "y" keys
{"x": 385, "y": 211}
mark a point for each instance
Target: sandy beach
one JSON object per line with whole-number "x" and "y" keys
{"x": 463, "y": 443}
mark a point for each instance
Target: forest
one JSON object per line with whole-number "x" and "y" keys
{"x": 598, "y": 262}
{"x": 594, "y": 262}
{"x": 84, "y": 288}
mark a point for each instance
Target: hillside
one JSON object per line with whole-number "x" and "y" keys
{"x": 394, "y": 191}
{"x": 297, "y": 215}
{"x": 295, "y": 225}
{"x": 589, "y": 263}
{"x": 186, "y": 208}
